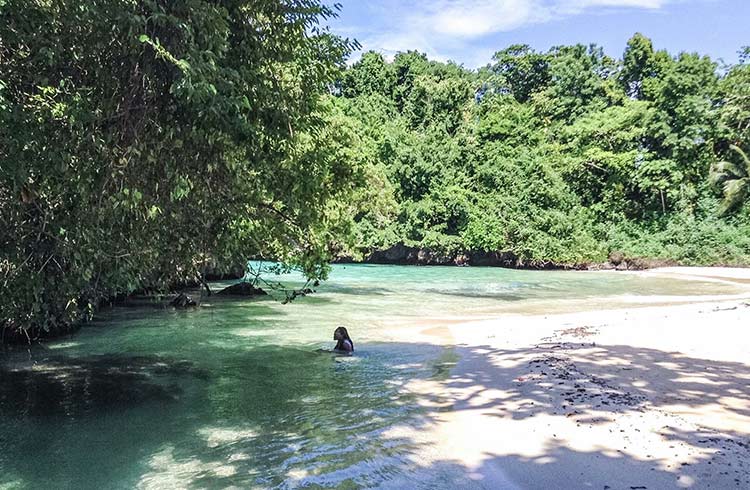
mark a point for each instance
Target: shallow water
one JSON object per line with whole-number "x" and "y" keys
{"x": 235, "y": 394}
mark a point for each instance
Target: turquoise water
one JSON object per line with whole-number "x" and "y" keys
{"x": 234, "y": 394}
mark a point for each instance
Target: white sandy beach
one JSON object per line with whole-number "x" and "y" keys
{"x": 633, "y": 398}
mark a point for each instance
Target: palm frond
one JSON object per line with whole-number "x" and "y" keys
{"x": 735, "y": 192}
{"x": 731, "y": 169}
{"x": 744, "y": 156}
{"x": 722, "y": 171}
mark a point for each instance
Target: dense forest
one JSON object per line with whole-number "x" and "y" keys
{"x": 552, "y": 158}
{"x": 146, "y": 143}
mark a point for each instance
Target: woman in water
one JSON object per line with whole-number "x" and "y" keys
{"x": 343, "y": 341}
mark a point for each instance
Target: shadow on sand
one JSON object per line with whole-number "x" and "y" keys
{"x": 574, "y": 415}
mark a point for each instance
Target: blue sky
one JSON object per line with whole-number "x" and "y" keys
{"x": 470, "y": 31}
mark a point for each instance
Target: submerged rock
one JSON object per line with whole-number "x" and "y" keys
{"x": 183, "y": 301}
{"x": 242, "y": 289}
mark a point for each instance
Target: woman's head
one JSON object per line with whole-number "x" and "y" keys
{"x": 343, "y": 341}
{"x": 340, "y": 334}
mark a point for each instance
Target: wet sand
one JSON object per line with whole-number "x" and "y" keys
{"x": 629, "y": 398}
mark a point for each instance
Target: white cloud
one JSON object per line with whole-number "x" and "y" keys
{"x": 582, "y": 4}
{"x": 437, "y": 27}
{"x": 476, "y": 18}
{"x": 472, "y": 19}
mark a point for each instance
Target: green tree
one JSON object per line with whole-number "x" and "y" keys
{"x": 578, "y": 74}
{"x": 369, "y": 75}
{"x": 733, "y": 179}
{"x": 407, "y": 66}
{"x": 735, "y": 94}
{"x": 521, "y": 71}
{"x": 142, "y": 140}
{"x": 637, "y": 65}
{"x": 681, "y": 133}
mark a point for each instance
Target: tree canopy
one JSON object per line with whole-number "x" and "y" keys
{"x": 556, "y": 157}
{"x": 143, "y": 139}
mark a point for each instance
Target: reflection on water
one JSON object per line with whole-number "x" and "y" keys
{"x": 59, "y": 385}
{"x": 235, "y": 394}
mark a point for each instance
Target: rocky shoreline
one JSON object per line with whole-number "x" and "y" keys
{"x": 402, "y": 254}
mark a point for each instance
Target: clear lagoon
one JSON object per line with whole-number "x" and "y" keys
{"x": 235, "y": 394}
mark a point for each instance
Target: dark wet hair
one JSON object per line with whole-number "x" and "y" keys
{"x": 345, "y": 335}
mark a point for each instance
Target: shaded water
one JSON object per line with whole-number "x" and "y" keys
{"x": 235, "y": 394}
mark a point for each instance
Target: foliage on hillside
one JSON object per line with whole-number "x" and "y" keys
{"x": 562, "y": 157}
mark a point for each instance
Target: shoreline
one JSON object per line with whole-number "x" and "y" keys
{"x": 402, "y": 254}
{"x": 648, "y": 397}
